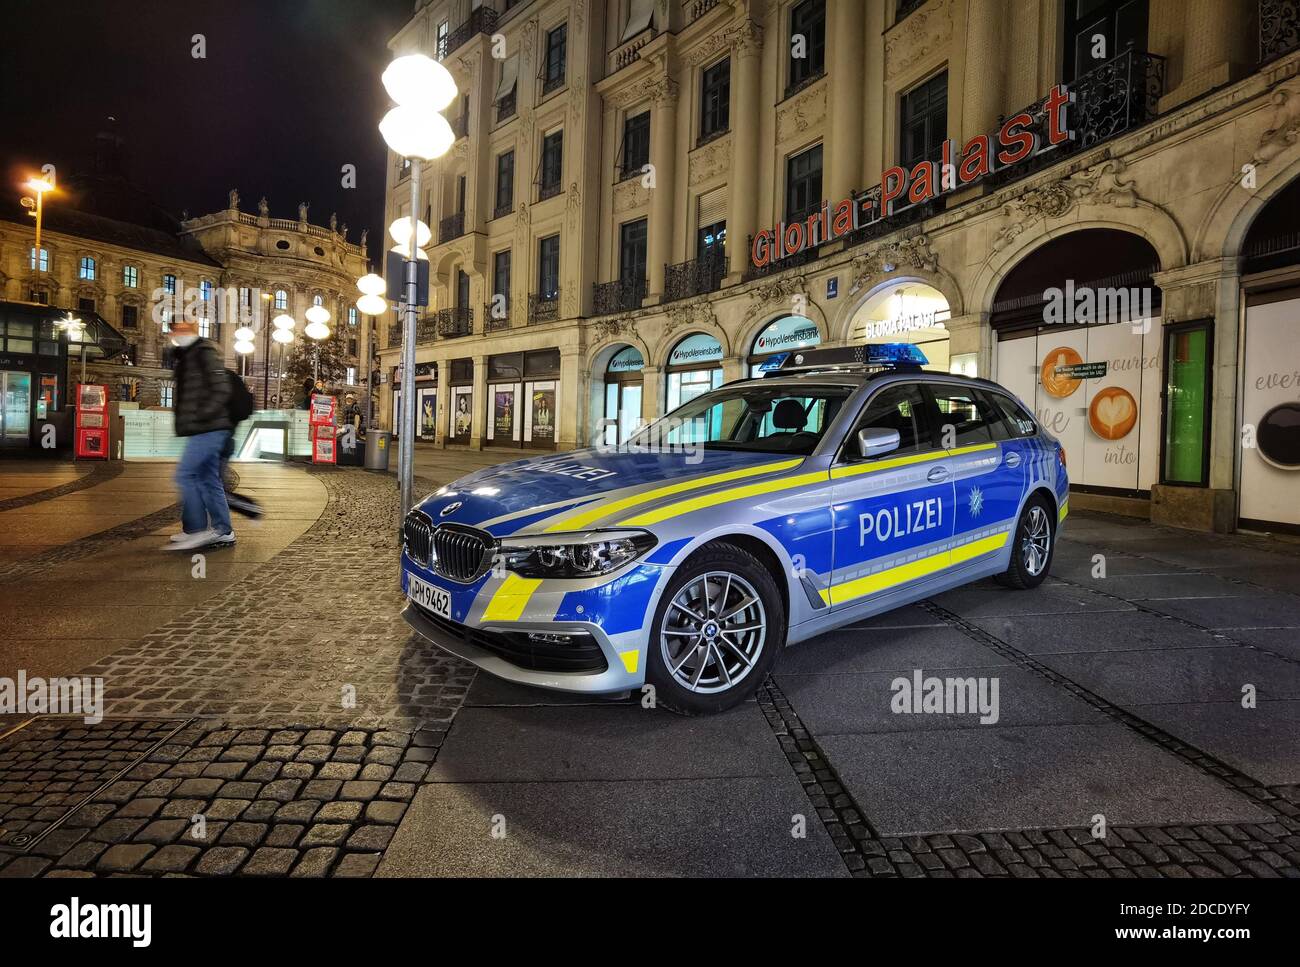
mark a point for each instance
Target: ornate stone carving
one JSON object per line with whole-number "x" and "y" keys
{"x": 801, "y": 112}
{"x": 574, "y": 205}
{"x": 709, "y": 161}
{"x": 613, "y": 327}
{"x": 777, "y": 290}
{"x": 630, "y": 194}
{"x": 919, "y": 35}
{"x": 906, "y": 253}
{"x": 662, "y": 90}
{"x": 747, "y": 37}
{"x": 1283, "y": 128}
{"x": 684, "y": 314}
{"x": 1097, "y": 185}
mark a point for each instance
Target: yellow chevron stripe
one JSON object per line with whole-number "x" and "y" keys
{"x": 923, "y": 567}
{"x": 510, "y": 599}
{"x": 840, "y": 472}
{"x": 577, "y": 521}
{"x": 1065, "y": 509}
{"x": 724, "y": 497}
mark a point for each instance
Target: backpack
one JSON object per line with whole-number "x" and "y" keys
{"x": 241, "y": 403}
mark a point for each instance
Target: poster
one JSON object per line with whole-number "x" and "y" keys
{"x": 428, "y": 427}
{"x": 462, "y": 411}
{"x": 543, "y": 416}
{"x": 503, "y": 413}
{"x": 1270, "y": 407}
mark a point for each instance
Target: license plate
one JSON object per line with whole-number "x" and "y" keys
{"x": 427, "y": 596}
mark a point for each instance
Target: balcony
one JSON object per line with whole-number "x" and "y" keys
{"x": 543, "y": 308}
{"x": 1279, "y": 28}
{"x": 696, "y": 277}
{"x": 699, "y": 8}
{"x": 507, "y": 106}
{"x": 482, "y": 20}
{"x": 552, "y": 83}
{"x": 549, "y": 191}
{"x": 753, "y": 272}
{"x": 493, "y": 323}
{"x": 621, "y": 295}
{"x": 426, "y": 331}
{"x": 455, "y": 322}
{"x": 453, "y": 226}
{"x": 504, "y": 209}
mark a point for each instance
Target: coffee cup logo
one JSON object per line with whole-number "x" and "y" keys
{"x": 1113, "y": 413}
{"x": 1060, "y": 384}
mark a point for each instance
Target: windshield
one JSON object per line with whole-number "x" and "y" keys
{"x": 763, "y": 419}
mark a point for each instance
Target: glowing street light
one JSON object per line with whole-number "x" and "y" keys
{"x": 39, "y": 187}
{"x": 421, "y": 87}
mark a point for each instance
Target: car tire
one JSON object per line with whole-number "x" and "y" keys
{"x": 1033, "y": 544}
{"x": 705, "y": 660}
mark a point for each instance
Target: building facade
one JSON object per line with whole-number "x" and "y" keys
{"x": 1093, "y": 203}
{"x": 136, "y": 269}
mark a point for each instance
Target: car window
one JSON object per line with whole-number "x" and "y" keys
{"x": 900, "y": 407}
{"x": 759, "y": 418}
{"x": 1017, "y": 419}
{"x": 972, "y": 419}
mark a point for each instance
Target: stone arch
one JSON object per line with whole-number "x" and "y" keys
{"x": 1236, "y": 208}
{"x": 602, "y": 351}
{"x": 942, "y": 281}
{"x": 1145, "y": 220}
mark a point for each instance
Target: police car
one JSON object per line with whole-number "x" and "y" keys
{"x": 839, "y": 484}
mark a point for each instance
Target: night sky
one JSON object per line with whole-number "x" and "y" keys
{"x": 288, "y": 94}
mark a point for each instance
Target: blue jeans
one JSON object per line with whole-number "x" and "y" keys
{"x": 203, "y": 498}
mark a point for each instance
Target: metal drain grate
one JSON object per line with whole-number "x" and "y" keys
{"x": 52, "y": 767}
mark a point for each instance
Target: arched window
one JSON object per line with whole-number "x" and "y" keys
{"x": 693, "y": 368}
{"x": 169, "y": 284}
{"x": 623, "y": 387}
{"x": 45, "y": 259}
{"x": 281, "y": 299}
{"x": 317, "y": 300}
{"x": 86, "y": 270}
{"x": 783, "y": 335}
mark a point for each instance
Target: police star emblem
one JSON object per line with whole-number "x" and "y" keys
{"x": 976, "y": 501}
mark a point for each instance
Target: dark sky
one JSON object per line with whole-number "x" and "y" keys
{"x": 289, "y": 93}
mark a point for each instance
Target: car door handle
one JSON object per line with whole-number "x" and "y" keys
{"x": 1012, "y": 459}
{"x": 936, "y": 474}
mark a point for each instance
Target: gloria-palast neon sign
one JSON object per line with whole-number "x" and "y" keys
{"x": 900, "y": 188}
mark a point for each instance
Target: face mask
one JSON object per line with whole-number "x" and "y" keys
{"x": 184, "y": 340}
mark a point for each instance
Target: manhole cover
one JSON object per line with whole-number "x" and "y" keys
{"x": 52, "y": 767}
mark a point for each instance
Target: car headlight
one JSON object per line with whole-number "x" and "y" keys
{"x": 583, "y": 555}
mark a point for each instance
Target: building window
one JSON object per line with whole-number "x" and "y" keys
{"x": 281, "y": 300}
{"x": 462, "y": 289}
{"x": 351, "y": 376}
{"x": 715, "y": 100}
{"x": 632, "y": 252}
{"x": 39, "y": 295}
{"x": 552, "y": 164}
{"x": 924, "y": 119}
{"x": 87, "y": 269}
{"x": 205, "y": 290}
{"x": 165, "y": 391}
{"x": 1187, "y": 404}
{"x": 352, "y": 317}
{"x": 85, "y": 305}
{"x": 548, "y": 267}
{"x": 505, "y": 202}
{"x": 1098, "y": 30}
{"x": 130, "y": 276}
{"x": 557, "y": 43}
{"x": 711, "y": 240}
{"x": 169, "y": 284}
{"x": 45, "y": 259}
{"x": 130, "y": 317}
{"x": 807, "y": 21}
{"x": 803, "y": 183}
{"x": 501, "y": 276}
{"x": 636, "y": 145}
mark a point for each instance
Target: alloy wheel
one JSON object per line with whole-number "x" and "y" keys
{"x": 1035, "y": 540}
{"x": 713, "y": 632}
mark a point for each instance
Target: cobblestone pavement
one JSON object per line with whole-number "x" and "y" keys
{"x": 291, "y": 725}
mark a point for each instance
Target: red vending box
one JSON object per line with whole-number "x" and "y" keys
{"x": 321, "y": 416}
{"x": 92, "y": 421}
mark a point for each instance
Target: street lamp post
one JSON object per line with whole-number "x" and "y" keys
{"x": 415, "y": 130}
{"x": 38, "y": 187}
{"x": 266, "y": 350}
{"x": 317, "y": 330}
{"x": 372, "y": 303}
{"x": 284, "y": 325}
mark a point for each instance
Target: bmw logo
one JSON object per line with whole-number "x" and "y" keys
{"x": 451, "y": 508}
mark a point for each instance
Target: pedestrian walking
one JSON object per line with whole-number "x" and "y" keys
{"x": 201, "y": 404}
{"x": 241, "y": 408}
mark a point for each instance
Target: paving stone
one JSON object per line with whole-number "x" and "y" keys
{"x": 376, "y": 771}
{"x": 162, "y": 831}
{"x": 372, "y": 837}
{"x": 26, "y": 867}
{"x": 83, "y": 854}
{"x": 123, "y": 857}
{"x": 339, "y": 770}
{"x": 243, "y": 834}
{"x": 388, "y": 813}
{"x": 226, "y": 808}
{"x": 240, "y": 790}
{"x": 261, "y": 810}
{"x": 221, "y": 860}
{"x": 357, "y": 865}
{"x": 285, "y": 834}
{"x": 315, "y": 862}
{"x": 398, "y": 790}
{"x": 184, "y": 807}
{"x": 282, "y": 790}
{"x": 171, "y": 859}
{"x": 269, "y": 861}
{"x": 117, "y": 830}
{"x": 297, "y": 770}
{"x": 203, "y": 788}
{"x": 140, "y": 808}
{"x": 223, "y": 770}
{"x": 342, "y": 812}
{"x": 326, "y": 834}
{"x": 262, "y": 771}
{"x": 358, "y": 789}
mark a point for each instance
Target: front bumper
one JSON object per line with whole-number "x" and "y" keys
{"x": 615, "y": 677}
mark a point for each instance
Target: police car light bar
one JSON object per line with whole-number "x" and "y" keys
{"x": 901, "y": 355}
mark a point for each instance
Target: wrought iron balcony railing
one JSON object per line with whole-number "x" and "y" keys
{"x": 753, "y": 271}
{"x": 394, "y": 335}
{"x": 1112, "y": 98}
{"x": 426, "y": 331}
{"x": 455, "y": 321}
{"x": 549, "y": 191}
{"x": 621, "y": 295}
{"x": 502, "y": 210}
{"x": 492, "y": 322}
{"x": 543, "y": 308}
{"x": 552, "y": 83}
{"x": 482, "y": 20}
{"x": 453, "y": 226}
{"x": 696, "y": 277}
{"x": 1279, "y": 28}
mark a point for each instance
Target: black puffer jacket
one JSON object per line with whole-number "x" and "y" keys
{"x": 202, "y": 397}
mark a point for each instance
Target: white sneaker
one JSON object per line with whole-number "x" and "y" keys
{"x": 189, "y": 542}
{"x": 178, "y": 536}
{"x": 223, "y": 540}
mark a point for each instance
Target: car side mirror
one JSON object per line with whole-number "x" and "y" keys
{"x": 873, "y": 441}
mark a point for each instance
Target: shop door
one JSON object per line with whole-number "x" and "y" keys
{"x": 622, "y": 410}
{"x": 15, "y": 409}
